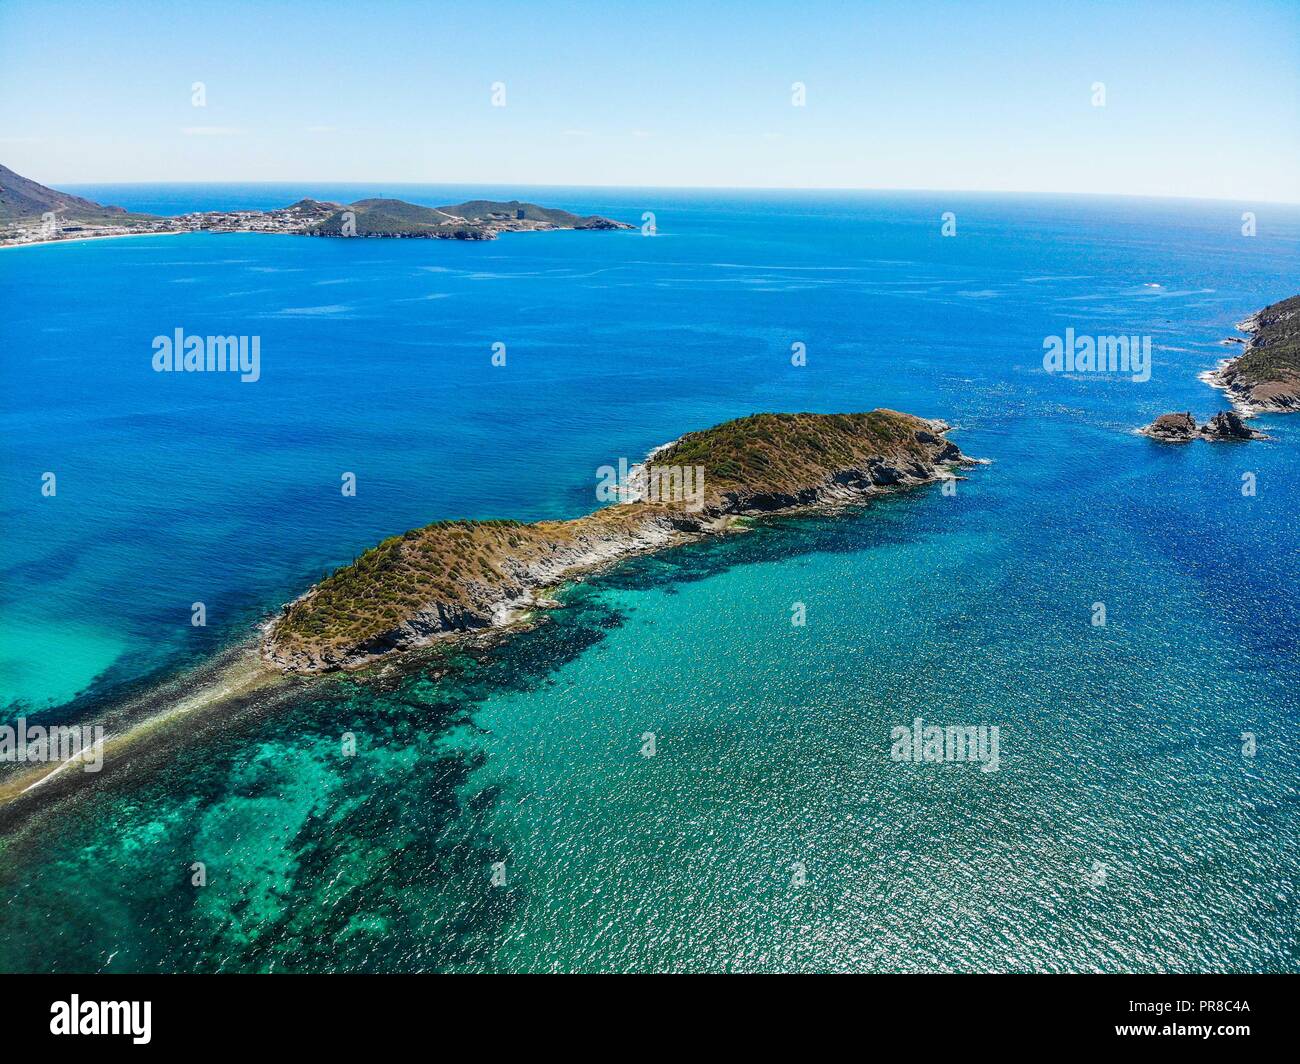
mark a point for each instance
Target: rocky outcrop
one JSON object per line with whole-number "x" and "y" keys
{"x": 1229, "y": 426}
{"x": 1182, "y": 428}
{"x": 1172, "y": 428}
{"x": 1265, "y": 377}
{"x": 1251, "y": 395}
{"x": 597, "y": 221}
{"x": 457, "y": 578}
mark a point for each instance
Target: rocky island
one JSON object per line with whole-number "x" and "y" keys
{"x": 1265, "y": 377}
{"x": 456, "y": 578}
{"x": 31, "y": 213}
{"x": 1182, "y": 428}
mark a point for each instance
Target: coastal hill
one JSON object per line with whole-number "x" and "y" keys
{"x": 1265, "y": 377}
{"x": 769, "y": 462}
{"x": 25, "y": 200}
{"x": 25, "y": 206}
{"x": 457, "y": 577}
{"x": 21, "y": 197}
{"x": 476, "y": 220}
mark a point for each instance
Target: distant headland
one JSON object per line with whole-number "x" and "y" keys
{"x": 457, "y": 578}
{"x": 1264, "y": 378}
{"x": 31, "y": 213}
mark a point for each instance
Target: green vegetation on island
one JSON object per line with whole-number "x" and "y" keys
{"x": 1266, "y": 375}
{"x": 465, "y": 576}
{"x": 773, "y": 458}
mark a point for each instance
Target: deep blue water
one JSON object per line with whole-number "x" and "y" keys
{"x": 1121, "y": 745}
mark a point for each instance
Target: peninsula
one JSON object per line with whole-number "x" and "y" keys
{"x": 1265, "y": 377}
{"x": 31, "y": 213}
{"x": 455, "y": 578}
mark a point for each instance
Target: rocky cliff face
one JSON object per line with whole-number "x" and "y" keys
{"x": 1265, "y": 377}
{"x": 514, "y": 582}
{"x": 461, "y": 577}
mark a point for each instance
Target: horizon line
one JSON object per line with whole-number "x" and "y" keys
{"x": 714, "y": 188}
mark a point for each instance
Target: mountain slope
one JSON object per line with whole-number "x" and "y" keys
{"x": 21, "y": 197}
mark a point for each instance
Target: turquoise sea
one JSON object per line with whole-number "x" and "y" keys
{"x": 502, "y": 817}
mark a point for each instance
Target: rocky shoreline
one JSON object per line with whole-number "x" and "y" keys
{"x": 1265, "y": 377}
{"x": 1250, "y": 398}
{"x": 463, "y": 580}
{"x": 498, "y": 610}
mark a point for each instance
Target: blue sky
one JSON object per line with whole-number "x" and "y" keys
{"x": 1201, "y": 99}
